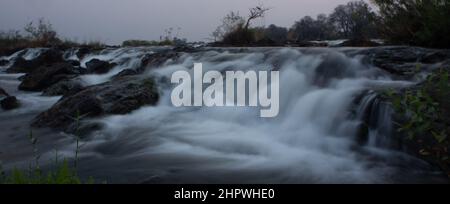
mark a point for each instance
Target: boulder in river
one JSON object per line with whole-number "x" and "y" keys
{"x": 119, "y": 96}
{"x": 403, "y": 61}
{"x": 75, "y": 63}
{"x": 45, "y": 76}
{"x": 49, "y": 56}
{"x": 3, "y": 93}
{"x": 158, "y": 59}
{"x": 83, "y": 51}
{"x": 96, "y": 66}
{"x": 64, "y": 87}
{"x": 125, "y": 72}
{"x": 9, "y": 103}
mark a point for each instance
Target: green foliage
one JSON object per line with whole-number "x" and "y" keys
{"x": 61, "y": 174}
{"x": 426, "y": 116}
{"x": 421, "y": 106}
{"x": 416, "y": 22}
{"x": 355, "y": 20}
{"x": 239, "y": 36}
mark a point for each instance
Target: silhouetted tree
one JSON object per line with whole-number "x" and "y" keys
{"x": 416, "y": 22}
{"x": 355, "y": 20}
{"x": 276, "y": 34}
{"x": 307, "y": 29}
{"x": 254, "y": 13}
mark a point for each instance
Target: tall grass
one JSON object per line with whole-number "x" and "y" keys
{"x": 62, "y": 172}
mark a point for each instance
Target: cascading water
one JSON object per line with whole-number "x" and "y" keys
{"x": 313, "y": 139}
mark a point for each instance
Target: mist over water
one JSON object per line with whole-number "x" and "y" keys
{"x": 312, "y": 140}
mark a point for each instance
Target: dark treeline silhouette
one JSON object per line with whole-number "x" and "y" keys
{"x": 38, "y": 34}
{"x": 355, "y": 21}
{"x": 410, "y": 22}
{"x": 407, "y": 22}
{"x": 415, "y": 22}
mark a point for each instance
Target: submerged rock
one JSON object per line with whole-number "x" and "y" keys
{"x": 45, "y": 76}
{"x": 96, "y": 66}
{"x": 114, "y": 97}
{"x": 9, "y": 103}
{"x": 49, "y": 56}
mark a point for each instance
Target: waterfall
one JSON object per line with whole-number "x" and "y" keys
{"x": 376, "y": 119}
{"x": 312, "y": 140}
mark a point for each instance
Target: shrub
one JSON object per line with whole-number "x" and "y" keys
{"x": 416, "y": 22}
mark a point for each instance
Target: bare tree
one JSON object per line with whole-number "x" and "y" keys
{"x": 256, "y": 12}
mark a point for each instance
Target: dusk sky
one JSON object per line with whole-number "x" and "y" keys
{"x": 112, "y": 21}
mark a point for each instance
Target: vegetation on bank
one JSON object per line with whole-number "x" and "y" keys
{"x": 423, "y": 116}
{"x": 354, "y": 21}
{"x": 415, "y": 22}
{"x": 168, "y": 39}
{"x": 61, "y": 172}
{"x": 407, "y": 22}
{"x": 38, "y": 34}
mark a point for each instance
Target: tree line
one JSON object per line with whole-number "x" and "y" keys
{"x": 412, "y": 22}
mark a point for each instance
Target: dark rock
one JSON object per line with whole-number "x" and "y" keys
{"x": 401, "y": 61}
{"x": 184, "y": 48}
{"x": 47, "y": 57}
{"x": 436, "y": 57}
{"x": 125, "y": 72}
{"x": 359, "y": 43}
{"x": 74, "y": 63}
{"x": 10, "y": 103}
{"x": 158, "y": 59}
{"x": 45, "y": 76}
{"x": 21, "y": 77}
{"x": 83, "y": 51}
{"x": 334, "y": 66}
{"x": 3, "y": 92}
{"x": 311, "y": 44}
{"x": 114, "y": 97}
{"x": 3, "y": 62}
{"x": 21, "y": 65}
{"x": 64, "y": 87}
{"x": 96, "y": 66}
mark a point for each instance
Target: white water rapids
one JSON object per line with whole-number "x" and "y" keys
{"x": 312, "y": 140}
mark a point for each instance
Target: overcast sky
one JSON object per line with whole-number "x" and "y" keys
{"x": 113, "y": 21}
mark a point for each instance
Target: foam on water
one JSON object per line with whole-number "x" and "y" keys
{"x": 311, "y": 141}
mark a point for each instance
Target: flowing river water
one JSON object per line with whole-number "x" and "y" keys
{"x": 314, "y": 139}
